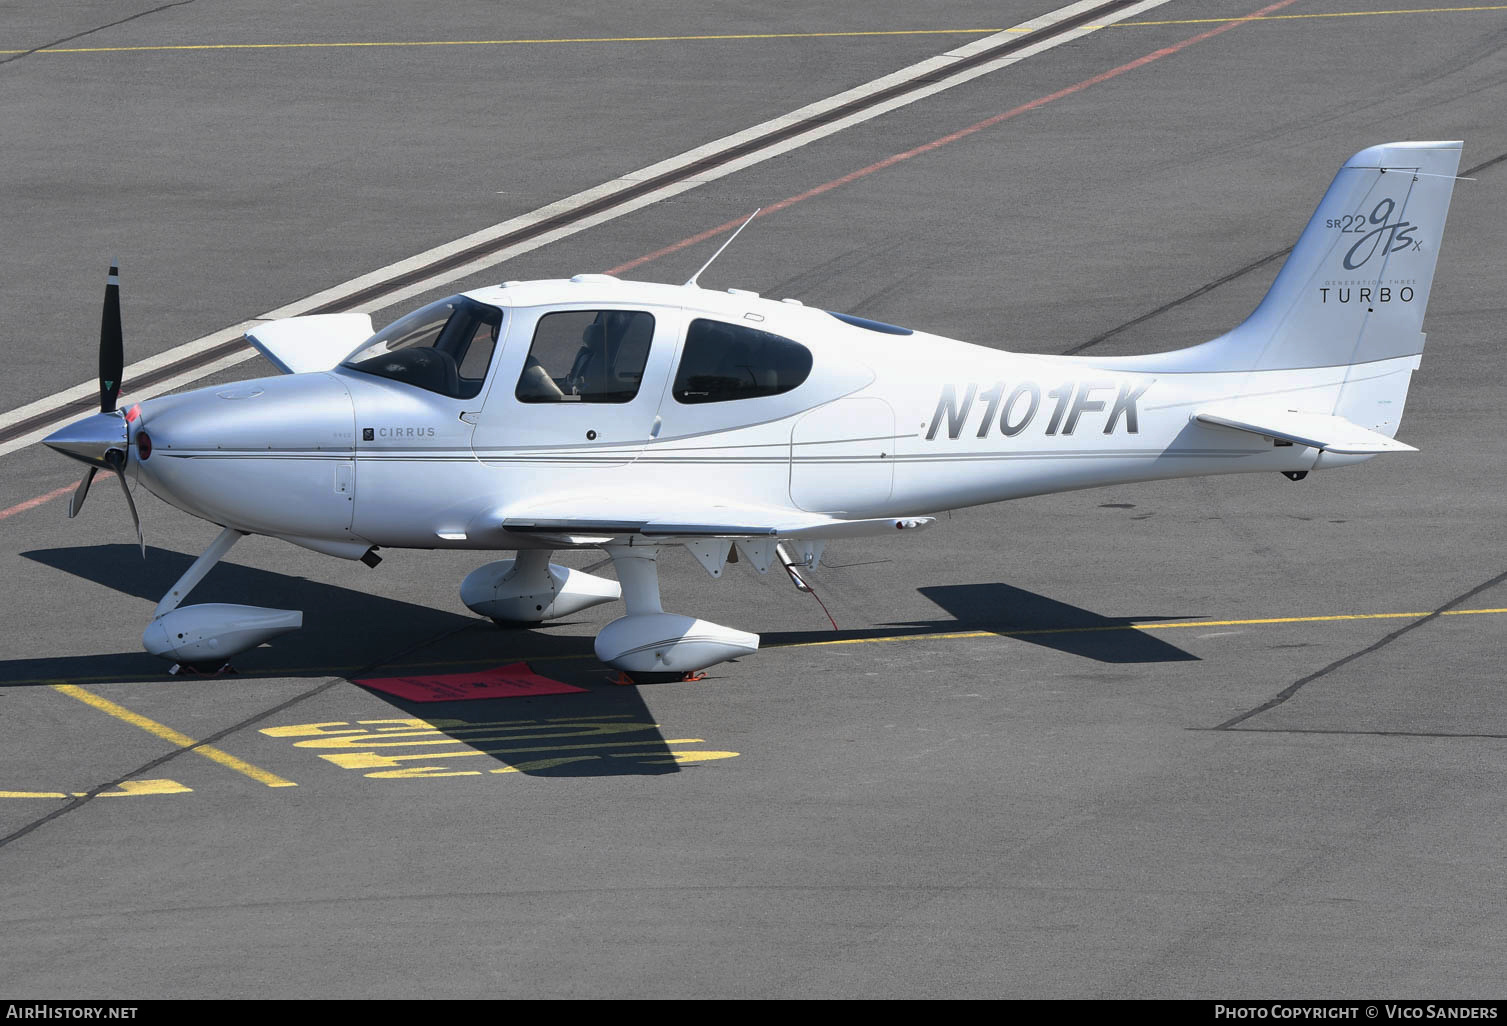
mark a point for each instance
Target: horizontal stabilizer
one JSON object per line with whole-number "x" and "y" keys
{"x": 314, "y": 343}
{"x": 1317, "y": 430}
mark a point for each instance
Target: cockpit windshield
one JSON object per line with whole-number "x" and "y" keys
{"x": 446, "y": 347}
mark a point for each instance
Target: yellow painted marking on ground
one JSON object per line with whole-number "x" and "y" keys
{"x": 520, "y": 744}
{"x": 127, "y": 788}
{"x": 666, "y": 759}
{"x": 538, "y": 764}
{"x": 410, "y": 772}
{"x": 424, "y": 735}
{"x": 520, "y": 42}
{"x": 166, "y": 733}
{"x": 410, "y": 724}
{"x": 375, "y": 760}
{"x": 680, "y": 757}
{"x": 1300, "y": 17}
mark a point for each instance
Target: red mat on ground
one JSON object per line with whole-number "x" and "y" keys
{"x": 515, "y": 680}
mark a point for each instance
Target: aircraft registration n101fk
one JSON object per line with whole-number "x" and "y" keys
{"x": 631, "y": 417}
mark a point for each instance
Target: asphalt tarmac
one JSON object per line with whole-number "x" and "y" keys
{"x": 1226, "y": 737}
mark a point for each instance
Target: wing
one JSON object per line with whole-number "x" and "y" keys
{"x": 314, "y": 343}
{"x": 1318, "y": 430}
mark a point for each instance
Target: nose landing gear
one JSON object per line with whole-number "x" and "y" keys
{"x": 203, "y": 638}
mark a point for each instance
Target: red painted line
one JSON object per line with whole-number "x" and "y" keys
{"x": 22, "y": 507}
{"x": 961, "y": 133}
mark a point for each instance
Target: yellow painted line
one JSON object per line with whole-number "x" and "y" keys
{"x": 653, "y": 759}
{"x": 730, "y": 37}
{"x": 957, "y": 635}
{"x": 156, "y": 729}
{"x": 519, "y": 42}
{"x": 328, "y": 671}
{"x": 130, "y": 787}
{"x": 1300, "y": 17}
{"x": 127, "y": 788}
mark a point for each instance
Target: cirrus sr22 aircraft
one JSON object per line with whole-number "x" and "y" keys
{"x": 632, "y": 417}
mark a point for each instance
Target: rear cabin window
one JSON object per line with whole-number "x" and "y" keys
{"x": 586, "y": 356}
{"x": 722, "y": 362}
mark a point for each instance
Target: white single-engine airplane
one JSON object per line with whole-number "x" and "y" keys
{"x": 630, "y": 417}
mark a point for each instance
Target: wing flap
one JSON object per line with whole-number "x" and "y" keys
{"x": 812, "y": 528}
{"x": 693, "y": 520}
{"x": 1317, "y": 430}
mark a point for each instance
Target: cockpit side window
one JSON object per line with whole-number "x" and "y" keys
{"x": 445, "y": 347}
{"x": 723, "y": 362}
{"x": 586, "y": 356}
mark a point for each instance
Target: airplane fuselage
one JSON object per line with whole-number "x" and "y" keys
{"x": 885, "y": 424}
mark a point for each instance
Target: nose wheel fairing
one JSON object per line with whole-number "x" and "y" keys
{"x": 207, "y": 636}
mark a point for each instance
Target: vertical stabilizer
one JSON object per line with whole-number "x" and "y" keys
{"x": 1355, "y": 286}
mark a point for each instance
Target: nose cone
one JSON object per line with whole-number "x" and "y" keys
{"x": 89, "y": 439}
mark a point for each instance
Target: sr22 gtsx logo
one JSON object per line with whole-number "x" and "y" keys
{"x": 1378, "y": 234}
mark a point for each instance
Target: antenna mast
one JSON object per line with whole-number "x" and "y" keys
{"x": 715, "y": 255}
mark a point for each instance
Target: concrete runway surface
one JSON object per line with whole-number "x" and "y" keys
{"x": 1226, "y": 737}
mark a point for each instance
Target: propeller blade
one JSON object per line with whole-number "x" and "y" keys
{"x": 76, "y": 502}
{"x": 112, "y": 355}
{"x": 140, "y": 539}
{"x": 117, "y": 460}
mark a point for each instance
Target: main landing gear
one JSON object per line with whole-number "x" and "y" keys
{"x": 531, "y": 589}
{"x": 647, "y": 643}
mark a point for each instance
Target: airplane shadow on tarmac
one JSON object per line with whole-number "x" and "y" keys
{"x": 605, "y": 730}
{"x": 1024, "y": 616}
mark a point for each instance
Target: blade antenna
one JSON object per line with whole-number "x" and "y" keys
{"x": 715, "y": 255}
